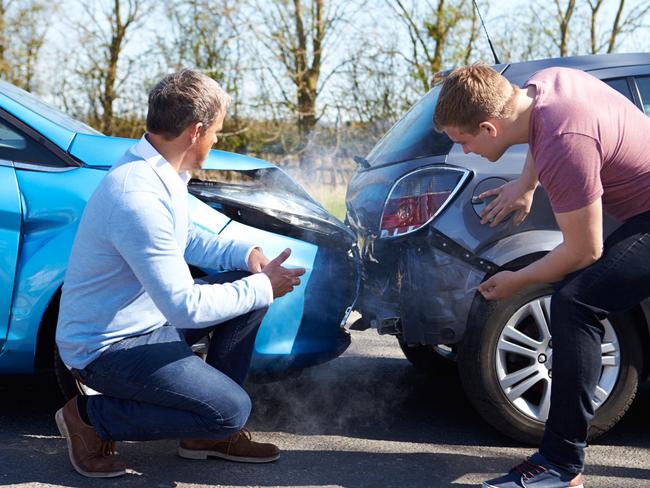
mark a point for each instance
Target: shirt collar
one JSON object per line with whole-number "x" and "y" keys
{"x": 170, "y": 177}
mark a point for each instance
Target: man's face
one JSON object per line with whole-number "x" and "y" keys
{"x": 204, "y": 143}
{"x": 487, "y": 142}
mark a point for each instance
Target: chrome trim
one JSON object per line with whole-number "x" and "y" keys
{"x": 6, "y": 162}
{"x": 461, "y": 183}
{"x": 44, "y": 168}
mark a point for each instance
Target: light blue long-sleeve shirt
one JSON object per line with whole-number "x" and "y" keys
{"x": 128, "y": 273}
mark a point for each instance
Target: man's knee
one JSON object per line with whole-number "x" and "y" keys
{"x": 232, "y": 412}
{"x": 563, "y": 308}
{"x": 571, "y": 311}
{"x": 561, "y": 302}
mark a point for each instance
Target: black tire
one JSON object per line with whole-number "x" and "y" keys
{"x": 477, "y": 368}
{"x": 427, "y": 358}
{"x": 67, "y": 384}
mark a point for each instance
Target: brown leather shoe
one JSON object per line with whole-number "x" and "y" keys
{"x": 239, "y": 447}
{"x": 90, "y": 455}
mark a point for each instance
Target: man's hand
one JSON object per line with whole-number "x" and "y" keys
{"x": 502, "y": 285}
{"x": 283, "y": 280}
{"x": 257, "y": 260}
{"x": 514, "y": 196}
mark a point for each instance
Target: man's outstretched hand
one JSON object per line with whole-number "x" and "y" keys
{"x": 283, "y": 280}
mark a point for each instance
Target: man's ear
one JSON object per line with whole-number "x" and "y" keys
{"x": 490, "y": 126}
{"x": 195, "y": 131}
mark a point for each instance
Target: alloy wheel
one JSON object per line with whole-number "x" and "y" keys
{"x": 524, "y": 360}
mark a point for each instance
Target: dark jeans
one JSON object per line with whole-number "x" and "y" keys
{"x": 154, "y": 387}
{"x": 616, "y": 282}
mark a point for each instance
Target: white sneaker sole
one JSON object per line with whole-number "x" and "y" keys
{"x": 63, "y": 429}
{"x": 203, "y": 455}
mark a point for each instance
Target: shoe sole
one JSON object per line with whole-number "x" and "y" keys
{"x": 63, "y": 429}
{"x": 486, "y": 485}
{"x": 203, "y": 455}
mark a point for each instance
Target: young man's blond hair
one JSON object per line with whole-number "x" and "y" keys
{"x": 471, "y": 95}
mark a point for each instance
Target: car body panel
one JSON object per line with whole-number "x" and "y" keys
{"x": 55, "y": 133}
{"x": 527, "y": 243}
{"x": 53, "y": 205}
{"x": 102, "y": 151}
{"x": 280, "y": 325}
{"x": 519, "y": 72}
{"x": 10, "y": 226}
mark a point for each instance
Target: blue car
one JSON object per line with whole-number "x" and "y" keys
{"x": 50, "y": 164}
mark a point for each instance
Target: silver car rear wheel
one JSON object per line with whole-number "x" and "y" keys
{"x": 524, "y": 360}
{"x": 505, "y": 362}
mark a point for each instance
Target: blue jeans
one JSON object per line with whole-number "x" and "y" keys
{"x": 154, "y": 387}
{"x": 619, "y": 280}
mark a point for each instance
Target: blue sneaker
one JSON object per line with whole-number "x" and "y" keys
{"x": 536, "y": 472}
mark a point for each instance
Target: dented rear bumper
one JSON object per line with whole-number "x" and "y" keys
{"x": 421, "y": 287}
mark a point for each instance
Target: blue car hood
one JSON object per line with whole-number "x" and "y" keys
{"x": 104, "y": 151}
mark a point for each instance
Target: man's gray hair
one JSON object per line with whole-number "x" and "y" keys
{"x": 183, "y": 98}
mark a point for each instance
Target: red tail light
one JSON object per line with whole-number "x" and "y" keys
{"x": 418, "y": 197}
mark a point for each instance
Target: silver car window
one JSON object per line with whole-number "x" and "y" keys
{"x": 643, "y": 84}
{"x": 413, "y": 136}
{"x": 621, "y": 86}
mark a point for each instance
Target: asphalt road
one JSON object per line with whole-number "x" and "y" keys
{"x": 367, "y": 419}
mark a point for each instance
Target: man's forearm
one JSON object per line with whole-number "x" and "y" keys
{"x": 528, "y": 175}
{"x": 554, "y": 266}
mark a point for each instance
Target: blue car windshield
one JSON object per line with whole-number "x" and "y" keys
{"x": 413, "y": 136}
{"x": 38, "y": 106}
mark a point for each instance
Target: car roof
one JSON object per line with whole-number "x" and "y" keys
{"x": 518, "y": 73}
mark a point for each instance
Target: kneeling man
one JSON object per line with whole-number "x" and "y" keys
{"x": 130, "y": 309}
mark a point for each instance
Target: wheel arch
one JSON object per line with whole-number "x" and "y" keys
{"x": 44, "y": 355}
{"x": 516, "y": 247}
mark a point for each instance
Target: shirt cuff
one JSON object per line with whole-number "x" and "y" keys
{"x": 261, "y": 283}
{"x": 248, "y": 253}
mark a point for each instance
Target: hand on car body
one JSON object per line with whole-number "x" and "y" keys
{"x": 509, "y": 198}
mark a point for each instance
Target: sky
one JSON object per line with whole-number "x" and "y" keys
{"x": 61, "y": 34}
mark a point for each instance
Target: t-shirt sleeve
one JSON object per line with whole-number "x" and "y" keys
{"x": 568, "y": 167}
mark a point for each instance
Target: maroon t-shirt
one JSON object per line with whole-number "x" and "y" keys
{"x": 589, "y": 141}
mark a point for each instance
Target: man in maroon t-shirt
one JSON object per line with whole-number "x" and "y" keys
{"x": 588, "y": 149}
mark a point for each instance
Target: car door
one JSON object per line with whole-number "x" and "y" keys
{"x": 21, "y": 151}
{"x": 10, "y": 226}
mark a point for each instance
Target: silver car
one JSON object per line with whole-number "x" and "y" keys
{"x": 414, "y": 205}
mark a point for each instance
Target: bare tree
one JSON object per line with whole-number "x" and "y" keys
{"x": 23, "y": 27}
{"x": 202, "y": 34}
{"x": 563, "y": 16}
{"x": 439, "y": 32}
{"x": 205, "y": 35}
{"x": 298, "y": 34}
{"x": 620, "y": 24}
{"x": 105, "y": 28}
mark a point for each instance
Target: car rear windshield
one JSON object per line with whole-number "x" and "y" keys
{"x": 413, "y": 136}
{"x": 52, "y": 114}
